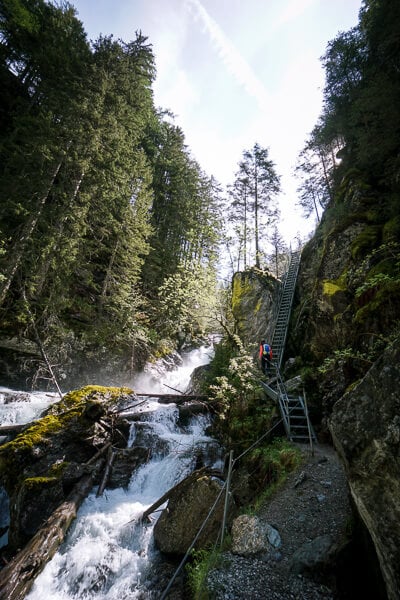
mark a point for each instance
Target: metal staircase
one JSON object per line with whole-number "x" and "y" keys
{"x": 285, "y": 307}
{"x": 293, "y": 409}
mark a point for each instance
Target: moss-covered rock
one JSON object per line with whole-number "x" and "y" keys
{"x": 253, "y": 303}
{"x": 39, "y": 467}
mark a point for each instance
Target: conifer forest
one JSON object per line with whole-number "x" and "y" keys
{"x": 111, "y": 234}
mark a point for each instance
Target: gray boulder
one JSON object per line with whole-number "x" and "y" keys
{"x": 313, "y": 555}
{"x": 251, "y": 536}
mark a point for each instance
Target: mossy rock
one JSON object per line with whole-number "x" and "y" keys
{"x": 383, "y": 305}
{"x": 366, "y": 241}
{"x": 74, "y": 414}
{"x": 37, "y": 498}
{"x": 40, "y": 466}
{"x": 329, "y": 287}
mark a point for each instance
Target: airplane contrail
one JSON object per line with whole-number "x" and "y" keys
{"x": 231, "y": 57}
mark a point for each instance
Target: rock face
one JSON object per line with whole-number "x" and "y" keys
{"x": 254, "y": 305}
{"x": 365, "y": 426}
{"x": 179, "y": 523}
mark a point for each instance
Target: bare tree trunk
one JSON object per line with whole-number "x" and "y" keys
{"x": 40, "y": 345}
{"x": 315, "y": 205}
{"x": 326, "y": 177}
{"x": 110, "y": 460}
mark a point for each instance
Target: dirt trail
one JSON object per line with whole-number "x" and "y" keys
{"x": 311, "y": 506}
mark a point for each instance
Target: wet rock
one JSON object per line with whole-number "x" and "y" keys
{"x": 189, "y": 409}
{"x": 252, "y": 536}
{"x": 10, "y": 396}
{"x": 126, "y": 461}
{"x": 41, "y": 465}
{"x": 300, "y": 479}
{"x": 197, "y": 379}
{"x": 294, "y": 385}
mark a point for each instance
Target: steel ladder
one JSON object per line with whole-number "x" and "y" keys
{"x": 293, "y": 409}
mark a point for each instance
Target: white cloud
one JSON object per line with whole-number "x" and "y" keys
{"x": 231, "y": 57}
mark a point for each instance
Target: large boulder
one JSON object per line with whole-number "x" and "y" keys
{"x": 254, "y": 307}
{"x": 186, "y": 511}
{"x": 252, "y": 536}
{"x": 314, "y": 557}
{"x": 39, "y": 468}
{"x": 365, "y": 427}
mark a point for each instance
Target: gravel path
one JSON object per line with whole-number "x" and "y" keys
{"x": 312, "y": 503}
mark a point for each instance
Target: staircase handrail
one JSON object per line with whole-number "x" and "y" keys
{"x": 294, "y": 256}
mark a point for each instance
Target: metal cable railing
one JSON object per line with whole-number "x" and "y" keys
{"x": 227, "y": 487}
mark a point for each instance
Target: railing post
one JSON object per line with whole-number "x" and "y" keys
{"x": 228, "y": 483}
{"x": 308, "y": 423}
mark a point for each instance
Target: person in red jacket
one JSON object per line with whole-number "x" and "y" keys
{"x": 265, "y": 354}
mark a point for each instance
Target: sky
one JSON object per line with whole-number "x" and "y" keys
{"x": 235, "y": 72}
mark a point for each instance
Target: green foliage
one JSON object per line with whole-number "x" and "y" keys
{"x": 253, "y": 192}
{"x": 341, "y": 355}
{"x": 379, "y": 276}
{"x": 103, "y": 205}
{"x": 374, "y": 281}
{"x": 357, "y": 130}
{"x": 186, "y": 303}
{"x": 368, "y": 239}
{"x": 202, "y": 561}
{"x": 275, "y": 461}
{"x": 243, "y": 413}
{"x": 391, "y": 230}
{"x": 219, "y": 366}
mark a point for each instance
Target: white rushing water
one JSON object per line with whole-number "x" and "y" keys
{"x": 23, "y": 407}
{"x": 108, "y": 553}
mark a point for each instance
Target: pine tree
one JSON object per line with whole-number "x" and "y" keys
{"x": 258, "y": 178}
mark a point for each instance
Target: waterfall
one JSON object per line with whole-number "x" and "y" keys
{"x": 23, "y": 407}
{"x": 108, "y": 553}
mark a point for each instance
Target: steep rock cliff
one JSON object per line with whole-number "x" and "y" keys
{"x": 365, "y": 426}
{"x": 347, "y": 300}
{"x": 345, "y": 313}
{"x": 254, "y": 295}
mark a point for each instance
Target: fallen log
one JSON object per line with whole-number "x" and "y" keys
{"x": 174, "y": 398}
{"x": 192, "y": 477}
{"x": 6, "y": 429}
{"x": 110, "y": 459}
{"x": 18, "y": 576}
